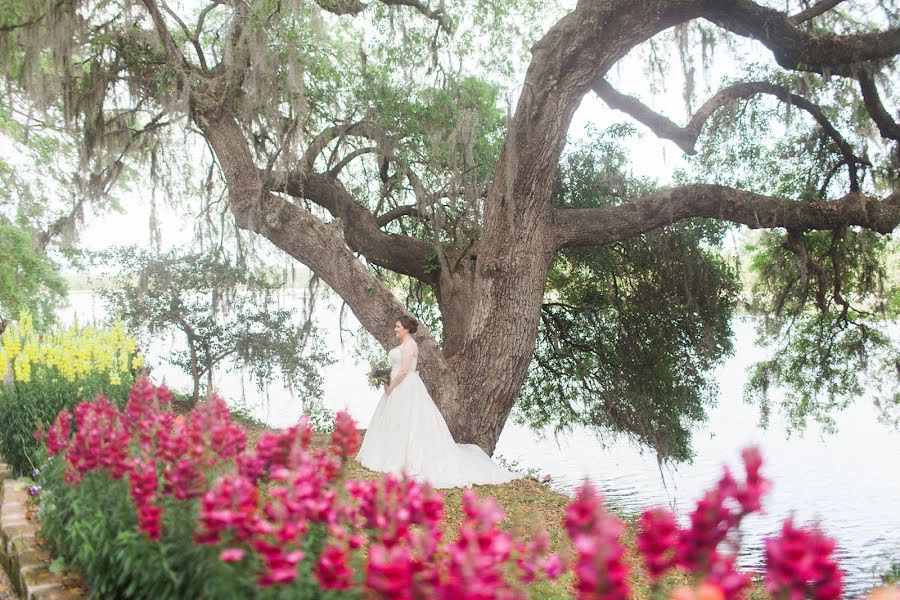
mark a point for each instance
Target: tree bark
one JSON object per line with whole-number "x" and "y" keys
{"x": 601, "y": 226}
{"x": 195, "y": 372}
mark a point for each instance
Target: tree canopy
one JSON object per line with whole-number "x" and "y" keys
{"x": 410, "y": 145}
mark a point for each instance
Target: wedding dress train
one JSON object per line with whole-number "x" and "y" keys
{"x": 408, "y": 434}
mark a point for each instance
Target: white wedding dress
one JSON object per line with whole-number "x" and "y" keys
{"x": 408, "y": 434}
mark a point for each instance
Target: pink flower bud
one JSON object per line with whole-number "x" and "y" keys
{"x": 600, "y": 568}
{"x": 232, "y": 555}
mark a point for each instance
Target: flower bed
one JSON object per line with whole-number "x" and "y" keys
{"x": 52, "y": 372}
{"x": 188, "y": 511}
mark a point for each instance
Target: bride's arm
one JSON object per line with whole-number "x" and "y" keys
{"x": 407, "y": 354}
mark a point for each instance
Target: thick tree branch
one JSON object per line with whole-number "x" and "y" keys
{"x": 341, "y": 164}
{"x": 235, "y": 62}
{"x": 582, "y": 46}
{"x": 686, "y": 137}
{"x": 354, "y": 7}
{"x": 814, "y": 11}
{"x": 201, "y": 18}
{"x": 800, "y": 50}
{"x": 374, "y": 133}
{"x": 342, "y": 7}
{"x": 360, "y": 128}
{"x": 663, "y": 127}
{"x": 883, "y": 119}
{"x": 600, "y": 226}
{"x": 399, "y": 253}
{"x": 407, "y": 210}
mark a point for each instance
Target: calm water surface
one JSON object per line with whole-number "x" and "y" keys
{"x": 848, "y": 482}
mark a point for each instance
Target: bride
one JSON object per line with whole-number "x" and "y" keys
{"x": 407, "y": 433}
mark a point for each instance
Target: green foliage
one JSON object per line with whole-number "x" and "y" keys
{"x": 229, "y": 315}
{"x": 824, "y": 307}
{"x": 26, "y": 407}
{"x": 630, "y": 332}
{"x": 827, "y": 308}
{"x": 892, "y": 575}
{"x": 28, "y": 280}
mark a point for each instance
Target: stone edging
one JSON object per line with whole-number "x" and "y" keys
{"x": 27, "y": 565}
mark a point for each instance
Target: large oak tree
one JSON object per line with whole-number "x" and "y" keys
{"x": 366, "y": 142}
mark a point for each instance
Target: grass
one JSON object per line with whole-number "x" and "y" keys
{"x": 892, "y": 575}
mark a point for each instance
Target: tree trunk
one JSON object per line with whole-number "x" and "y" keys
{"x": 208, "y": 361}
{"x": 195, "y": 375}
{"x": 502, "y": 314}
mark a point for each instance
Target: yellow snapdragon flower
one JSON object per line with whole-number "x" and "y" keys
{"x": 74, "y": 352}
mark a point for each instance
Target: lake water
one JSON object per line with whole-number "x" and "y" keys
{"x": 848, "y": 482}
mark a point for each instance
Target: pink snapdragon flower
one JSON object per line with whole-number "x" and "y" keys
{"x": 750, "y": 494}
{"x": 345, "y": 438}
{"x": 710, "y": 523}
{"x": 333, "y": 569}
{"x": 143, "y": 483}
{"x": 230, "y": 506}
{"x": 799, "y": 564}
{"x": 657, "y": 540}
{"x": 390, "y": 572}
{"x": 101, "y": 441}
{"x": 58, "y": 435}
{"x": 600, "y": 567}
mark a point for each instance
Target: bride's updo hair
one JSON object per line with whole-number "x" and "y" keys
{"x": 409, "y": 324}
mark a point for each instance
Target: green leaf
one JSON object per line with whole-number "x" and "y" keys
{"x": 57, "y": 566}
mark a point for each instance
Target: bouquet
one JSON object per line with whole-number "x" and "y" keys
{"x": 379, "y": 377}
